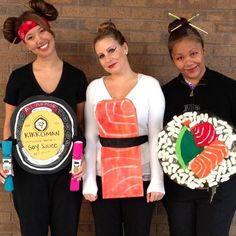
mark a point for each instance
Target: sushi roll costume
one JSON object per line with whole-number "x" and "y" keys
{"x": 205, "y": 115}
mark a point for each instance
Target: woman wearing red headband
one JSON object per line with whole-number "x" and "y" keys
{"x": 43, "y": 200}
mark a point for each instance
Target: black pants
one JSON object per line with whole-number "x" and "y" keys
{"x": 223, "y": 208}
{"x": 188, "y": 218}
{"x": 129, "y": 215}
{"x": 45, "y": 200}
{"x": 190, "y": 212}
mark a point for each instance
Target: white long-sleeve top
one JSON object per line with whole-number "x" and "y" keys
{"x": 149, "y": 102}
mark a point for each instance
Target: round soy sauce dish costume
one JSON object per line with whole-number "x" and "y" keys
{"x": 44, "y": 103}
{"x": 123, "y": 179}
{"x": 43, "y": 128}
{"x": 200, "y": 110}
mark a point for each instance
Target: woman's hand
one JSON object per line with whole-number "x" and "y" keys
{"x": 2, "y": 174}
{"x": 90, "y": 197}
{"x": 154, "y": 196}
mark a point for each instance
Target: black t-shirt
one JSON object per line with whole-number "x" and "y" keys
{"x": 22, "y": 84}
{"x": 71, "y": 88}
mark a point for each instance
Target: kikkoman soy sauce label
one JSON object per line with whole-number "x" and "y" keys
{"x": 42, "y": 135}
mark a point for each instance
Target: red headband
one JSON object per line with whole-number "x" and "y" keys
{"x": 26, "y": 26}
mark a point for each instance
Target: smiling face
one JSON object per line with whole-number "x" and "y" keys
{"x": 188, "y": 56}
{"x": 40, "y": 41}
{"x": 112, "y": 56}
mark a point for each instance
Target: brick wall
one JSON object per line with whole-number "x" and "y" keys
{"x": 144, "y": 24}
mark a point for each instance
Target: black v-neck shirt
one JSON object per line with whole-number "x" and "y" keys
{"x": 22, "y": 84}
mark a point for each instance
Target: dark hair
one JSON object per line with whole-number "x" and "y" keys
{"x": 108, "y": 29}
{"x": 40, "y": 10}
{"x": 184, "y": 30}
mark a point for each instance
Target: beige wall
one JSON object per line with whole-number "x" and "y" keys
{"x": 144, "y": 24}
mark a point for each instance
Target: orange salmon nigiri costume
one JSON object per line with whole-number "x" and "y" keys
{"x": 121, "y": 139}
{"x": 120, "y": 154}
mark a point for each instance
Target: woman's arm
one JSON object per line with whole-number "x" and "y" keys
{"x": 155, "y": 189}
{"x": 91, "y": 134}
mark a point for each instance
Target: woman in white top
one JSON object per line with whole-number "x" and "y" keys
{"x": 112, "y": 183}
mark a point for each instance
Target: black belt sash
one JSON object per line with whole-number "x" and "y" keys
{"x": 123, "y": 142}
